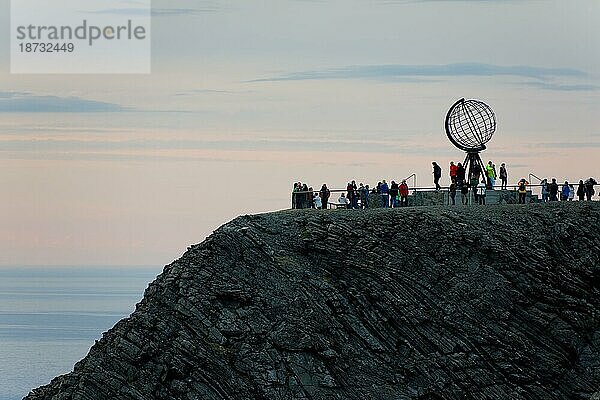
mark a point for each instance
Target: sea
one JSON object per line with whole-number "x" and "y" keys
{"x": 51, "y": 316}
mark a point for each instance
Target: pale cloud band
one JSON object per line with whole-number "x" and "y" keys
{"x": 540, "y": 75}
{"x": 157, "y": 12}
{"x": 23, "y": 102}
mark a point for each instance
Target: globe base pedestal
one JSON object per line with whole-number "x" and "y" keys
{"x": 473, "y": 159}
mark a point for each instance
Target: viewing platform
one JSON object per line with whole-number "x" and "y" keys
{"x": 428, "y": 196}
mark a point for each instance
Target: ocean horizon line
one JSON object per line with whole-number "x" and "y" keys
{"x": 12, "y": 266}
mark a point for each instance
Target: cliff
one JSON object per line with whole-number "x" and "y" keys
{"x": 496, "y": 302}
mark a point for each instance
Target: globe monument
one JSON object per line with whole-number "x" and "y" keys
{"x": 470, "y": 124}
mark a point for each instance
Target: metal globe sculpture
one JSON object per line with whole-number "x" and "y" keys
{"x": 470, "y": 124}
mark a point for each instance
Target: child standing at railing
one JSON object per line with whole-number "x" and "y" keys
{"x": 481, "y": 188}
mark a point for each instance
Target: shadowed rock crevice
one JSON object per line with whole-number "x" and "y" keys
{"x": 498, "y": 302}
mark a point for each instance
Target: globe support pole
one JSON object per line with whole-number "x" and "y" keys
{"x": 473, "y": 158}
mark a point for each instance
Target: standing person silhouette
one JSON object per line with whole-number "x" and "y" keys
{"x": 385, "y": 194}
{"x": 437, "y": 174}
{"x": 481, "y": 192}
{"x": 571, "y": 192}
{"x": 475, "y": 174}
{"x": 453, "y": 193}
{"x": 394, "y": 194}
{"x": 306, "y": 197}
{"x": 295, "y": 196}
{"x": 464, "y": 193}
{"x": 453, "y": 169}
{"x": 460, "y": 175}
{"x": 363, "y": 192}
{"x": 503, "y": 176}
{"x": 522, "y": 185}
{"x": 553, "y": 190}
{"x": 490, "y": 172}
{"x": 403, "y": 194}
{"x": 350, "y": 194}
{"x": 589, "y": 188}
{"x": 581, "y": 191}
{"x": 318, "y": 204}
{"x": 342, "y": 201}
{"x": 565, "y": 192}
{"x": 325, "y": 193}
{"x": 545, "y": 195}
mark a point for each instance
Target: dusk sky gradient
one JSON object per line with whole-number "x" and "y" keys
{"x": 247, "y": 97}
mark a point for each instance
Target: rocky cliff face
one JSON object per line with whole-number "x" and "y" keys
{"x": 497, "y": 302}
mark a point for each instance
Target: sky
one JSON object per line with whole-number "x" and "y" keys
{"x": 247, "y": 97}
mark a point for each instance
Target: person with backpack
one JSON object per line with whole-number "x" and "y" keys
{"x": 437, "y": 175}
{"x": 522, "y": 188}
{"x": 589, "y": 188}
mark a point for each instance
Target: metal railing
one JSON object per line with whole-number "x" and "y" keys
{"x": 413, "y": 177}
{"x": 532, "y": 175}
{"x": 416, "y": 189}
{"x": 445, "y": 190}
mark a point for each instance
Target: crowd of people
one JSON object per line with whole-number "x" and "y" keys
{"x": 487, "y": 175}
{"x": 479, "y": 179}
{"x": 356, "y": 196}
{"x": 552, "y": 191}
{"x": 483, "y": 179}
